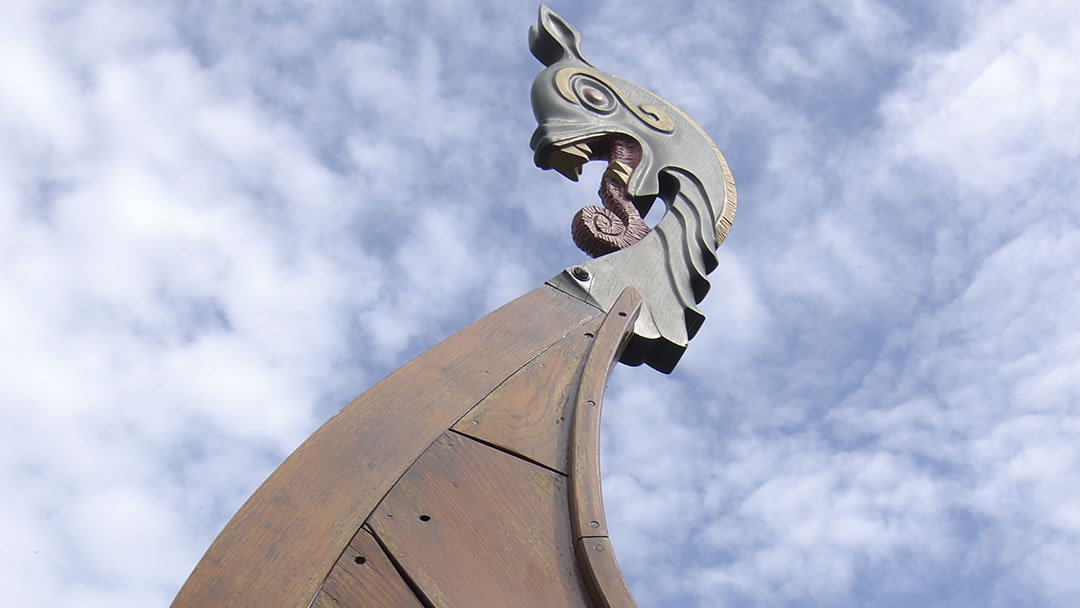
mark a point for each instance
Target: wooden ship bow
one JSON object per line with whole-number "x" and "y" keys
{"x": 470, "y": 477}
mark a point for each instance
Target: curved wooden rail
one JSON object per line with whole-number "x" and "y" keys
{"x": 595, "y": 557}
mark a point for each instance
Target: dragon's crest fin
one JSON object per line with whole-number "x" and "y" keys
{"x": 552, "y": 39}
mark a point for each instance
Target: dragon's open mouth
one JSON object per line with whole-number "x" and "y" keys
{"x": 622, "y": 154}
{"x": 598, "y": 231}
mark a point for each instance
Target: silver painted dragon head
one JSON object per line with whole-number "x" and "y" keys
{"x": 653, "y": 150}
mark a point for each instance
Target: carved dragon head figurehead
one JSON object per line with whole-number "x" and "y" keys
{"x": 653, "y": 150}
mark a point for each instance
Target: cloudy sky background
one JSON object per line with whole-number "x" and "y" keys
{"x": 219, "y": 222}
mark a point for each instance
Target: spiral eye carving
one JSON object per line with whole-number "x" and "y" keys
{"x": 593, "y": 94}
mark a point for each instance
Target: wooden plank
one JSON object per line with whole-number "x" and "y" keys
{"x": 323, "y": 600}
{"x": 530, "y": 413}
{"x": 474, "y": 526}
{"x": 284, "y": 540}
{"x": 364, "y": 577}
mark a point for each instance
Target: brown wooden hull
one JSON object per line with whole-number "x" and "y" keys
{"x": 469, "y": 477}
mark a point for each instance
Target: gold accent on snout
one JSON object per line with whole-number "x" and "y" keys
{"x": 649, "y": 114}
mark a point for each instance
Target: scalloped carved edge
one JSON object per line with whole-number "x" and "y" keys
{"x": 595, "y": 558}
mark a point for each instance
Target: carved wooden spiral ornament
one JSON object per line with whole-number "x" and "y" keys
{"x": 601, "y": 230}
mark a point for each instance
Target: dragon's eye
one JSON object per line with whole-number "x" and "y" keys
{"x": 594, "y": 94}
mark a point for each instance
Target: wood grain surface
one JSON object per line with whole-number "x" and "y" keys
{"x": 285, "y": 539}
{"x": 530, "y": 413}
{"x": 364, "y": 577}
{"x": 473, "y": 526}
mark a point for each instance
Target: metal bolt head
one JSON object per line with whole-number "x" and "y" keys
{"x": 580, "y": 273}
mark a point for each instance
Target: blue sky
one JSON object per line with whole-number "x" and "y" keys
{"x": 221, "y": 222}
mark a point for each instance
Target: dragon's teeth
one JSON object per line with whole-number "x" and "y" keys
{"x": 568, "y": 173}
{"x": 568, "y": 160}
{"x": 580, "y": 151}
{"x": 584, "y": 148}
{"x": 568, "y": 166}
{"x": 618, "y": 171}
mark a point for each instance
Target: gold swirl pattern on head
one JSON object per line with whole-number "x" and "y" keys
{"x": 649, "y": 114}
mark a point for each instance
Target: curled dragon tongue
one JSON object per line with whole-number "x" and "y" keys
{"x": 618, "y": 224}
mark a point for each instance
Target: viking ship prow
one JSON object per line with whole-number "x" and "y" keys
{"x": 470, "y": 477}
